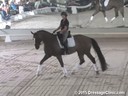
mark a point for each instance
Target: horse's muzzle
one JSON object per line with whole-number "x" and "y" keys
{"x": 37, "y": 46}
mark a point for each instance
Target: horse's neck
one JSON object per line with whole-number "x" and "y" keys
{"x": 48, "y": 37}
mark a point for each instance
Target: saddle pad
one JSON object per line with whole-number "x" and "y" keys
{"x": 71, "y": 42}
{"x": 106, "y": 2}
{"x": 61, "y": 46}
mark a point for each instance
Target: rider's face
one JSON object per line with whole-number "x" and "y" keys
{"x": 63, "y": 16}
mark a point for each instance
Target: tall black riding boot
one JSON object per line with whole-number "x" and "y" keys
{"x": 103, "y": 7}
{"x": 66, "y": 47}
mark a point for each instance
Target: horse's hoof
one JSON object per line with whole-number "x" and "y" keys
{"x": 97, "y": 76}
{"x": 37, "y": 75}
{"x": 65, "y": 75}
{"x": 72, "y": 73}
{"x": 97, "y": 73}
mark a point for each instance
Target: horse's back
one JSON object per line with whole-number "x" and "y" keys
{"x": 118, "y": 3}
{"x": 83, "y": 41}
{"x": 81, "y": 36}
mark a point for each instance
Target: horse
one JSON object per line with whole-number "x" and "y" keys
{"x": 117, "y": 5}
{"x": 82, "y": 47}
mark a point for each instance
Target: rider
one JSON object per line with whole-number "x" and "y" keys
{"x": 63, "y": 33}
{"x": 102, "y": 2}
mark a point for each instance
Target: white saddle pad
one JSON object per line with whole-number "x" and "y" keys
{"x": 106, "y": 3}
{"x": 71, "y": 42}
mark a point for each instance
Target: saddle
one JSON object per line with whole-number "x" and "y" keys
{"x": 70, "y": 40}
{"x": 104, "y": 3}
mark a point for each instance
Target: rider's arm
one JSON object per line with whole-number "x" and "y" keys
{"x": 56, "y": 29}
{"x": 65, "y": 29}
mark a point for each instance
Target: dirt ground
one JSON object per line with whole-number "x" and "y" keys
{"x": 19, "y": 61}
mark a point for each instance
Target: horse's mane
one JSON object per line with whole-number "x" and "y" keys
{"x": 42, "y": 31}
{"x": 45, "y": 35}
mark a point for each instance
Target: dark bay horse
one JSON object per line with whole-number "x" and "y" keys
{"x": 83, "y": 46}
{"x": 118, "y": 6}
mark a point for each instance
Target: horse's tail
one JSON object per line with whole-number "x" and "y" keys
{"x": 100, "y": 55}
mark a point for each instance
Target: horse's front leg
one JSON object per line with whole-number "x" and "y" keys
{"x": 62, "y": 65}
{"x": 105, "y": 17}
{"x": 40, "y": 65}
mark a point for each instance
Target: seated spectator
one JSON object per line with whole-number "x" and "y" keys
{"x": 5, "y": 12}
{"x": 13, "y": 6}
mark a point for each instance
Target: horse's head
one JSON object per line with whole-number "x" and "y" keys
{"x": 37, "y": 40}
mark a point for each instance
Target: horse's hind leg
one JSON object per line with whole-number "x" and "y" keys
{"x": 94, "y": 62}
{"x": 116, "y": 15}
{"x": 105, "y": 17}
{"x": 81, "y": 58}
{"x": 40, "y": 65}
{"x": 122, "y": 13}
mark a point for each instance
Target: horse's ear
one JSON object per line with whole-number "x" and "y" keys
{"x": 32, "y": 32}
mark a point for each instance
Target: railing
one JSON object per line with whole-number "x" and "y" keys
{"x": 75, "y": 8}
{"x": 9, "y": 35}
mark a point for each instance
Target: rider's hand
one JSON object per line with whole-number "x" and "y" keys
{"x": 54, "y": 31}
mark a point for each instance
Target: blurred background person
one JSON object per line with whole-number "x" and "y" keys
{"x": 5, "y": 12}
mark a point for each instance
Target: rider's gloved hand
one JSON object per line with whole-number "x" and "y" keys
{"x": 54, "y": 31}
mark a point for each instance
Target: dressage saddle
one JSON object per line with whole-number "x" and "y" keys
{"x": 102, "y": 4}
{"x": 60, "y": 36}
{"x": 64, "y": 44}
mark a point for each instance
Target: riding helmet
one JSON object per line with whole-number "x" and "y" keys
{"x": 64, "y": 13}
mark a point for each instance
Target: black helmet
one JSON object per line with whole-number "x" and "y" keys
{"x": 64, "y": 13}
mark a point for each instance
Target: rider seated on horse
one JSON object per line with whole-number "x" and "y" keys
{"x": 102, "y": 3}
{"x": 63, "y": 31}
